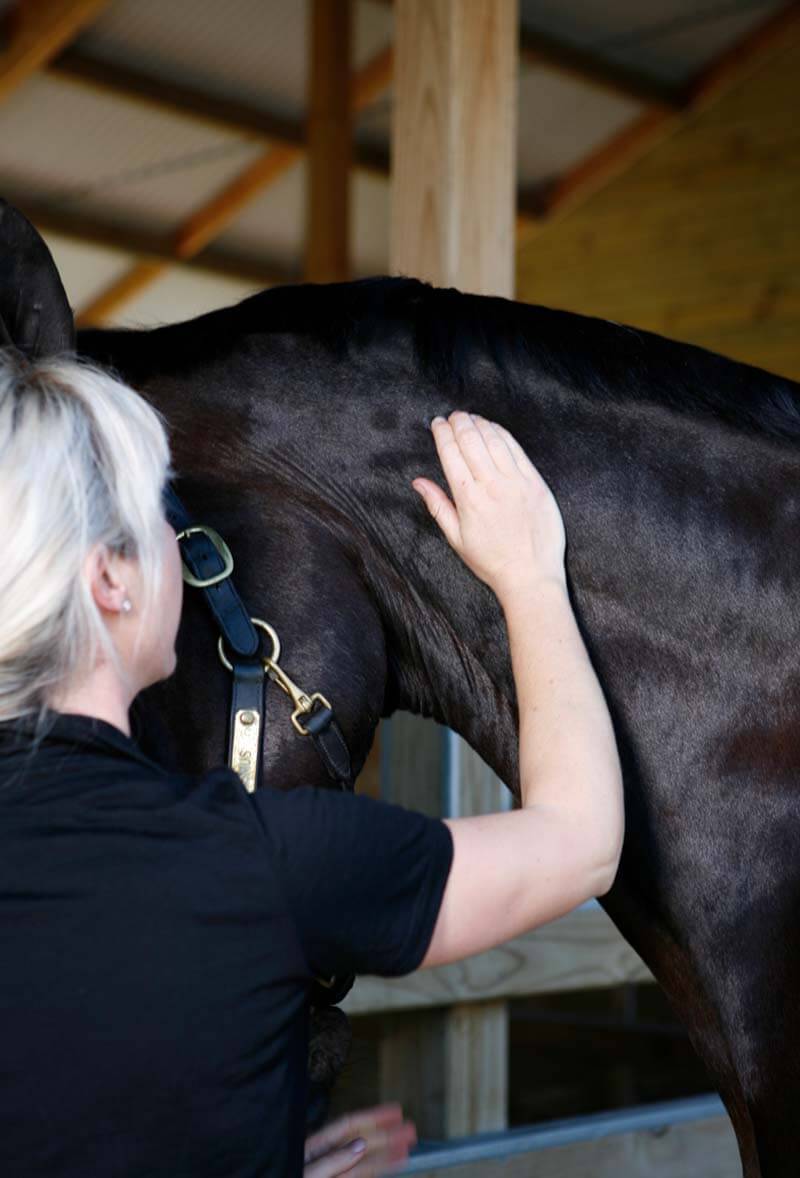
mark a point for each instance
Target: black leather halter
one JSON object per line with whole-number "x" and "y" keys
{"x": 207, "y": 565}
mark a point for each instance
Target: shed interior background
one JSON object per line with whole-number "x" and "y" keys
{"x": 130, "y": 130}
{"x": 160, "y": 149}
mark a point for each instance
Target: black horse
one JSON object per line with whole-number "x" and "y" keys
{"x": 298, "y": 419}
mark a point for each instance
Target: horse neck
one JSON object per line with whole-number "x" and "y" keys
{"x": 674, "y": 523}
{"x": 677, "y": 525}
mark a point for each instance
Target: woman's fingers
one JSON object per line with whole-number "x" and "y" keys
{"x": 522, "y": 460}
{"x": 456, "y": 470}
{"x": 386, "y": 1150}
{"x": 352, "y": 1125}
{"x": 366, "y": 1143}
{"x": 342, "y": 1160}
{"x": 496, "y": 445}
{"x": 473, "y": 446}
{"x": 504, "y": 515}
{"x": 330, "y": 1135}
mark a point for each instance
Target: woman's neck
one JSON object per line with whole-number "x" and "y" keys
{"x": 102, "y": 694}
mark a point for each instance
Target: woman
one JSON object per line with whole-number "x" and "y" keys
{"x": 159, "y": 932}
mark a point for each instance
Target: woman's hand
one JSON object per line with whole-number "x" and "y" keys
{"x": 367, "y": 1143}
{"x": 505, "y": 523}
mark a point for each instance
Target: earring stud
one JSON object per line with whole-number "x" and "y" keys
{"x": 126, "y": 605}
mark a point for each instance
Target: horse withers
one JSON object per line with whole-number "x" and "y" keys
{"x": 298, "y": 419}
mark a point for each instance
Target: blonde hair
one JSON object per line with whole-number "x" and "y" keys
{"x": 83, "y": 460}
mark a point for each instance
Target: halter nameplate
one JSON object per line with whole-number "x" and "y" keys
{"x": 246, "y": 746}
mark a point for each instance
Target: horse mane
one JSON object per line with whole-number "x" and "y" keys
{"x": 452, "y": 331}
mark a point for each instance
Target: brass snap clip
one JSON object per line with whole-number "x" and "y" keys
{"x": 303, "y": 703}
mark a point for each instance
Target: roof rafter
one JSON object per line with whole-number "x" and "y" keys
{"x": 146, "y": 245}
{"x": 202, "y": 226}
{"x": 237, "y": 118}
{"x": 537, "y": 207}
{"x": 35, "y": 31}
{"x": 538, "y": 48}
{"x": 124, "y": 81}
{"x": 547, "y": 202}
{"x": 541, "y": 49}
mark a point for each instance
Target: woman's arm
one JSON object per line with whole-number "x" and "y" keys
{"x": 514, "y": 871}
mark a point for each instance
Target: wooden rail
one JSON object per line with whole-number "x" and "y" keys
{"x": 577, "y": 952}
{"x": 677, "y": 1139}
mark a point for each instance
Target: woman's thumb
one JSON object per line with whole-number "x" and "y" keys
{"x": 440, "y": 508}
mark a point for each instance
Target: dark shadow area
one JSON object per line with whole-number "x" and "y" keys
{"x": 594, "y": 1050}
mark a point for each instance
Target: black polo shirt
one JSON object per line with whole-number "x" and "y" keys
{"x": 158, "y": 936}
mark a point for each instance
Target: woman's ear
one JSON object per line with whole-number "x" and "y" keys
{"x": 107, "y": 576}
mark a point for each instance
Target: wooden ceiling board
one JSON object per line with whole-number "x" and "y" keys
{"x": 369, "y": 224}
{"x": 670, "y": 39}
{"x": 80, "y": 150}
{"x": 560, "y": 122}
{"x": 273, "y": 224}
{"x": 178, "y": 295}
{"x": 85, "y": 270}
{"x": 250, "y": 50}
{"x": 125, "y": 163}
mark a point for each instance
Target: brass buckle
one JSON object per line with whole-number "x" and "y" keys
{"x": 221, "y": 547}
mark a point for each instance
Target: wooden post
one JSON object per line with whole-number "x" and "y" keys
{"x": 454, "y": 143}
{"x": 329, "y": 142}
{"x": 453, "y": 221}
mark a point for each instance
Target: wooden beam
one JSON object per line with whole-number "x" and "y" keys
{"x": 543, "y": 204}
{"x": 772, "y": 35}
{"x": 581, "y": 951}
{"x": 329, "y": 138}
{"x": 216, "y": 214}
{"x": 453, "y": 201}
{"x": 135, "y": 85}
{"x": 142, "y": 275}
{"x": 454, "y": 143}
{"x": 540, "y": 48}
{"x": 417, "y": 1049}
{"x": 202, "y": 226}
{"x": 145, "y": 245}
{"x": 373, "y": 81}
{"x": 537, "y": 48}
{"x": 682, "y": 1149}
{"x": 213, "y": 217}
{"x": 556, "y": 197}
{"x": 234, "y": 117}
{"x": 36, "y": 30}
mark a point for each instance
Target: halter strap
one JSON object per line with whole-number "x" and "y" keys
{"x": 208, "y": 565}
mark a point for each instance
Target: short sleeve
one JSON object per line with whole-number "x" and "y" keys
{"x": 363, "y": 879}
